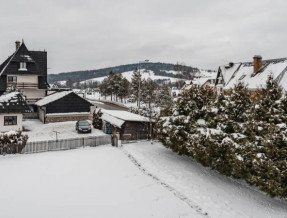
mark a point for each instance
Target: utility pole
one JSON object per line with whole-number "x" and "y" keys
{"x": 139, "y": 87}
{"x": 150, "y": 124}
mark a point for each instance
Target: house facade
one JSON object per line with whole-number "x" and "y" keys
{"x": 12, "y": 107}
{"x": 63, "y": 106}
{"x": 253, "y": 74}
{"x": 25, "y": 71}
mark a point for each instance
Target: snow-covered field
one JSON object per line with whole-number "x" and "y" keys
{"x": 137, "y": 180}
{"x": 40, "y": 132}
{"x": 217, "y": 195}
{"x": 93, "y": 182}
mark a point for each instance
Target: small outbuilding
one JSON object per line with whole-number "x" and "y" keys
{"x": 63, "y": 106}
{"x": 12, "y": 107}
{"x": 126, "y": 125}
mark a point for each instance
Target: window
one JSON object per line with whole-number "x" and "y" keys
{"x": 12, "y": 79}
{"x": 23, "y": 66}
{"x": 10, "y": 120}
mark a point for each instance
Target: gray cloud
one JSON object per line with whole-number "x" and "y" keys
{"x": 90, "y": 34}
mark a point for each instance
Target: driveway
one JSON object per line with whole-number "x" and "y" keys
{"x": 108, "y": 105}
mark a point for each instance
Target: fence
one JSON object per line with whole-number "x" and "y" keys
{"x": 130, "y": 138}
{"x": 65, "y": 144}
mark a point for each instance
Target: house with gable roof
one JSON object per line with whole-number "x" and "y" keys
{"x": 12, "y": 107}
{"x": 253, "y": 74}
{"x": 26, "y": 71}
{"x": 63, "y": 106}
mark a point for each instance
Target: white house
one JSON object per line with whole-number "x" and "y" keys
{"x": 27, "y": 71}
{"x": 253, "y": 74}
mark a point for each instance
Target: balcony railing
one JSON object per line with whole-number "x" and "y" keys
{"x": 23, "y": 85}
{"x": 33, "y": 100}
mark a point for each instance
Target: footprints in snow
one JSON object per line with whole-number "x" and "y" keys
{"x": 171, "y": 189}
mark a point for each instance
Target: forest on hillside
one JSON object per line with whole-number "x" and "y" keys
{"x": 158, "y": 68}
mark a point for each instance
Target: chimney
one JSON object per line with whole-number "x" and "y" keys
{"x": 17, "y": 43}
{"x": 257, "y": 63}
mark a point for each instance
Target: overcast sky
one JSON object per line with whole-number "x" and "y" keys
{"x": 92, "y": 34}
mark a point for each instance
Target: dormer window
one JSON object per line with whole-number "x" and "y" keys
{"x": 23, "y": 66}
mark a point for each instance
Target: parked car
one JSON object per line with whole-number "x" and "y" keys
{"x": 83, "y": 126}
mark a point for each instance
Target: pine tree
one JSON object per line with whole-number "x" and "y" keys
{"x": 233, "y": 134}
{"x": 103, "y": 87}
{"x": 149, "y": 89}
{"x": 137, "y": 85}
{"x": 238, "y": 108}
{"x": 164, "y": 100}
{"x": 270, "y": 145}
{"x": 124, "y": 89}
{"x": 110, "y": 82}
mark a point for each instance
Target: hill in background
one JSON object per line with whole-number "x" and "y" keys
{"x": 159, "y": 69}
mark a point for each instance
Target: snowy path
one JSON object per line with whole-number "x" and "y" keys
{"x": 91, "y": 182}
{"x": 181, "y": 196}
{"x": 209, "y": 192}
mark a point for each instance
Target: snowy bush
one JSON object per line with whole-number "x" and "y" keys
{"x": 97, "y": 120}
{"x": 12, "y": 142}
{"x": 236, "y": 135}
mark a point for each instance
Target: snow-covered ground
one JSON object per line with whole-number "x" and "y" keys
{"x": 37, "y": 131}
{"x": 92, "y": 182}
{"x": 137, "y": 180}
{"x": 217, "y": 195}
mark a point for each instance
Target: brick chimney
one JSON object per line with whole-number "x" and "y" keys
{"x": 257, "y": 63}
{"x": 17, "y": 43}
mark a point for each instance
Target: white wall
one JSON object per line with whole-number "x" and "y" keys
{"x": 14, "y": 127}
{"x": 41, "y": 112}
{"x": 34, "y": 93}
{"x": 31, "y": 92}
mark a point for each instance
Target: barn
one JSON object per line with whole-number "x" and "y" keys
{"x": 63, "y": 106}
{"x": 126, "y": 125}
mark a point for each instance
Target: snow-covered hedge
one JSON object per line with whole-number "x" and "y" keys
{"x": 236, "y": 135}
{"x": 12, "y": 142}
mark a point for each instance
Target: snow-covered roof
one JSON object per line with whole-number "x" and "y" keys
{"x": 200, "y": 81}
{"x": 203, "y": 77}
{"x": 227, "y": 71}
{"x": 53, "y": 97}
{"x": 8, "y": 97}
{"x": 7, "y": 63}
{"x": 243, "y": 72}
{"x": 112, "y": 120}
{"x": 13, "y": 102}
{"x": 118, "y": 118}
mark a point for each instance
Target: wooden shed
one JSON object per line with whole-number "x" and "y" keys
{"x": 63, "y": 106}
{"x": 126, "y": 125}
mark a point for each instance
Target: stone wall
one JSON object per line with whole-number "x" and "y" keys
{"x": 32, "y": 115}
{"x": 54, "y": 119}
